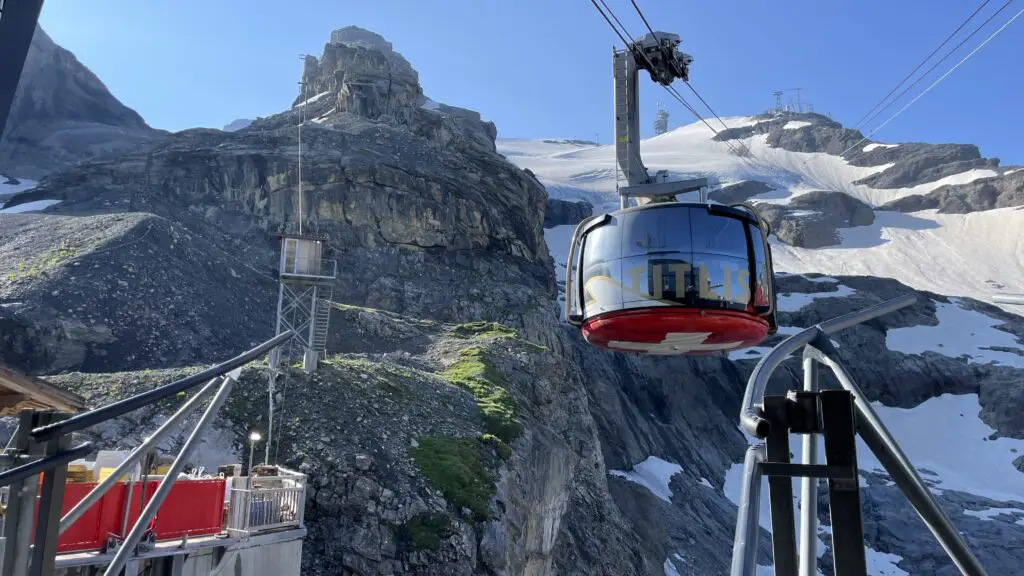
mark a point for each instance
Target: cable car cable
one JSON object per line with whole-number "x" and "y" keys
{"x": 934, "y": 66}
{"x": 692, "y": 89}
{"x": 897, "y": 87}
{"x": 936, "y": 83}
{"x": 672, "y": 92}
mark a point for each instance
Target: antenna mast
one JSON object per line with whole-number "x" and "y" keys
{"x": 302, "y": 89}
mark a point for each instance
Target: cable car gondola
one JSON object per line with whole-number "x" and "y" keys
{"x": 667, "y": 277}
{"x": 672, "y": 278}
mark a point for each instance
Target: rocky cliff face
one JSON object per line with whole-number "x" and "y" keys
{"x": 63, "y": 114}
{"x": 456, "y": 426}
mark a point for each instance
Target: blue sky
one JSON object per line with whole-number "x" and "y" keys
{"x": 542, "y": 68}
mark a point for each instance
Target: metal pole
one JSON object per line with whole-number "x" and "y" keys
{"x": 274, "y": 361}
{"x": 252, "y": 447}
{"x": 51, "y": 498}
{"x": 309, "y": 358}
{"x": 748, "y": 515}
{"x": 96, "y": 493}
{"x": 116, "y": 409}
{"x": 903, "y": 473}
{"x": 758, "y": 382}
{"x": 127, "y": 549}
{"x": 52, "y": 460}
{"x": 20, "y": 512}
{"x": 808, "y": 558}
{"x": 300, "y": 153}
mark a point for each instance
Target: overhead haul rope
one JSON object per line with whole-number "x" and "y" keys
{"x": 868, "y": 117}
{"x": 672, "y": 91}
{"x": 744, "y": 148}
{"x": 940, "y": 79}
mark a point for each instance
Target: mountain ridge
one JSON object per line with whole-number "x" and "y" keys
{"x": 445, "y": 335}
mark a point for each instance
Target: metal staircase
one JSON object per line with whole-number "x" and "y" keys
{"x": 321, "y": 320}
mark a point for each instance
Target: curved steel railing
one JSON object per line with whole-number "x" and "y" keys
{"x": 818, "y": 349}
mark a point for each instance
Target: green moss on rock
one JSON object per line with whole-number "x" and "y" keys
{"x": 476, "y": 374}
{"x": 483, "y": 329}
{"x": 455, "y": 466}
{"x": 427, "y": 531}
{"x": 503, "y": 449}
{"x": 472, "y": 330}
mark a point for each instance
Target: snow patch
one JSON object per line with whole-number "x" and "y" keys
{"x": 883, "y": 563}
{"x": 992, "y": 513}
{"x": 670, "y": 568}
{"x": 794, "y": 301}
{"x": 8, "y": 190}
{"x": 29, "y": 206}
{"x": 704, "y": 482}
{"x": 653, "y": 474}
{"x": 960, "y": 332}
{"x": 953, "y": 254}
{"x": 312, "y": 99}
{"x": 557, "y": 239}
{"x": 959, "y": 451}
{"x": 874, "y": 145}
{"x": 802, "y": 213}
{"x": 795, "y": 124}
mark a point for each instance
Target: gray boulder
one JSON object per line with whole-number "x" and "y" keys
{"x": 739, "y": 191}
{"x": 1001, "y": 191}
{"x": 562, "y": 212}
{"x": 812, "y": 220}
{"x": 916, "y": 163}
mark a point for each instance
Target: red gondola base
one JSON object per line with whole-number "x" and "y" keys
{"x": 675, "y": 331}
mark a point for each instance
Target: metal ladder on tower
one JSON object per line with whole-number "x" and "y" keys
{"x": 322, "y": 316}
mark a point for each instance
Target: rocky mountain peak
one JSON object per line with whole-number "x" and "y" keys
{"x": 63, "y": 114}
{"x": 361, "y": 74}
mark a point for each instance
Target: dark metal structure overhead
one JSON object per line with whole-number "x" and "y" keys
{"x": 18, "y": 20}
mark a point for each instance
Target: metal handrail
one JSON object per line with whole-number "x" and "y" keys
{"x": 121, "y": 407}
{"x": 310, "y": 267}
{"x": 752, "y": 422}
{"x": 895, "y": 462}
{"x": 97, "y": 492}
{"x": 819, "y": 349}
{"x": 56, "y": 435}
{"x": 127, "y": 549}
{"x": 748, "y": 525}
{"x": 24, "y": 471}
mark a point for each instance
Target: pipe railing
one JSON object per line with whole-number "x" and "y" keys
{"x": 220, "y": 377}
{"x": 96, "y": 493}
{"x": 818, "y": 349}
{"x": 127, "y": 549}
{"x": 99, "y": 415}
{"x": 24, "y": 471}
{"x": 752, "y": 422}
{"x": 895, "y": 462}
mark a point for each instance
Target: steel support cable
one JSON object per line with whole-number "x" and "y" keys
{"x": 671, "y": 90}
{"x": 623, "y": 35}
{"x": 940, "y": 79}
{"x": 692, "y": 89}
{"x": 943, "y": 59}
{"x": 864, "y": 118}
